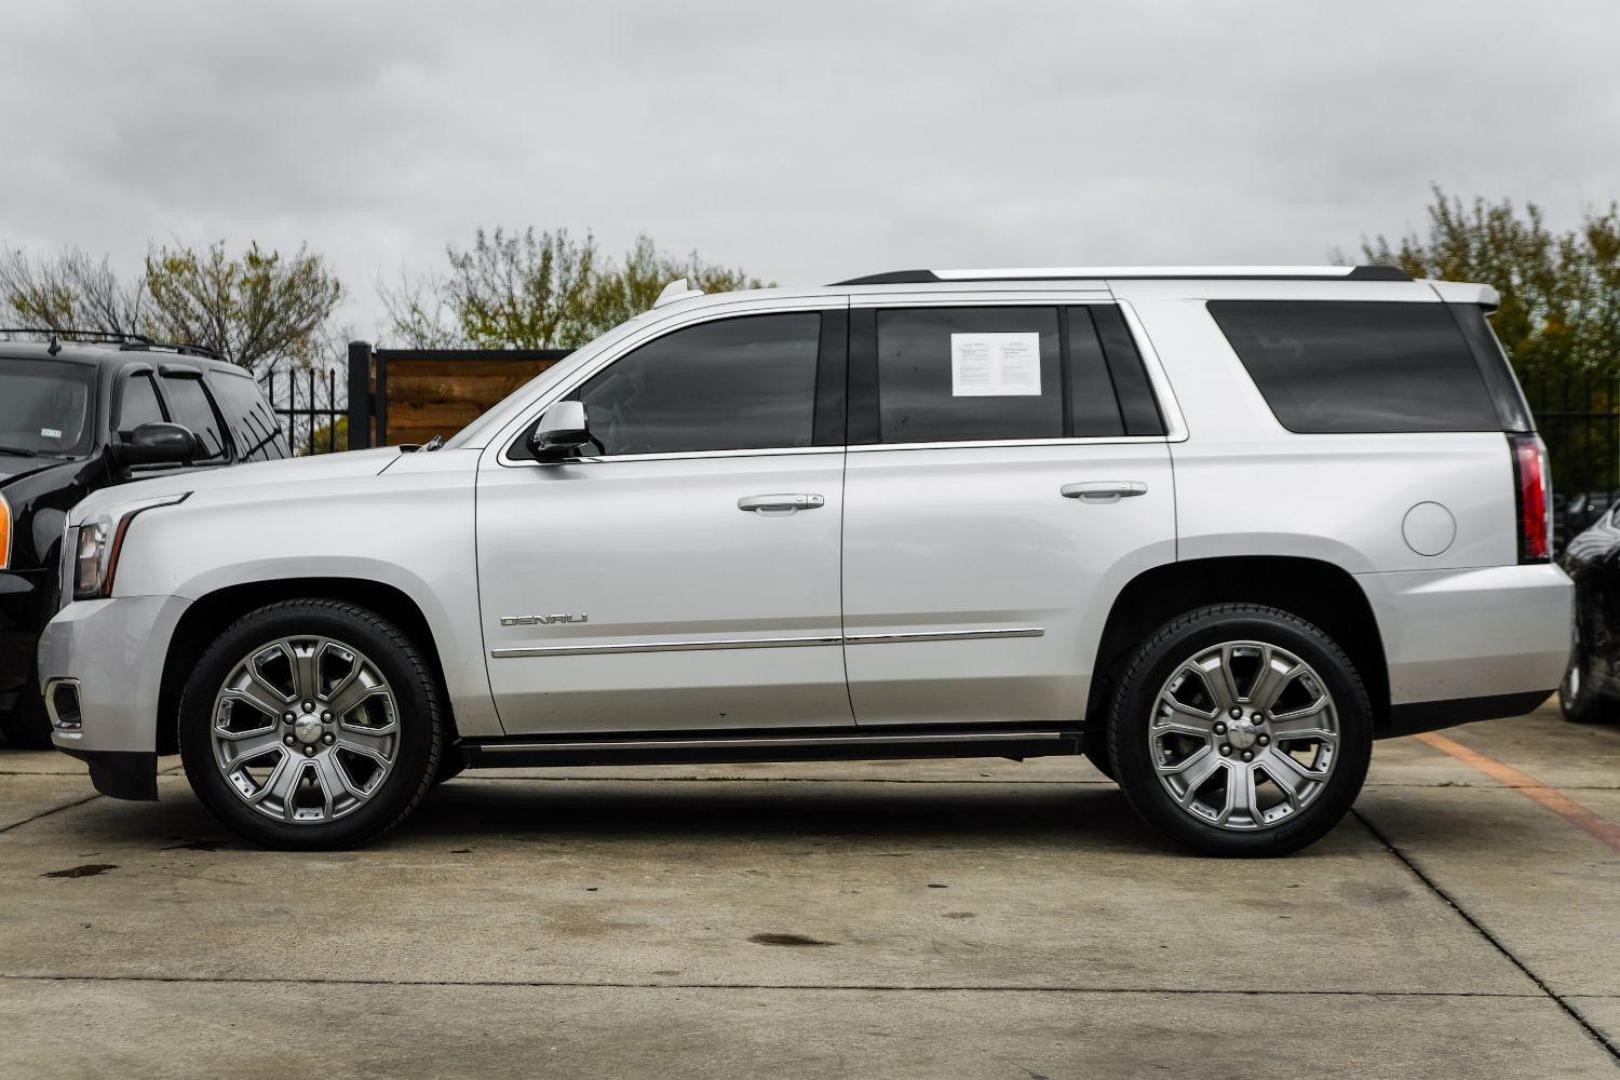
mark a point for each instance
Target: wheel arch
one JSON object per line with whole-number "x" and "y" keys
{"x": 1320, "y": 592}
{"x": 214, "y": 611}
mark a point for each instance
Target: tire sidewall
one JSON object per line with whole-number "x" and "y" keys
{"x": 414, "y": 696}
{"x": 1581, "y": 707}
{"x": 1183, "y": 638}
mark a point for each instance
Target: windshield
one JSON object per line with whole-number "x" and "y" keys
{"x": 45, "y": 407}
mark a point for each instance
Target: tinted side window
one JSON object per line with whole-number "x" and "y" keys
{"x": 1343, "y": 366}
{"x": 959, "y": 374}
{"x": 138, "y": 403}
{"x": 1136, "y": 401}
{"x": 1093, "y": 408}
{"x": 253, "y": 425}
{"x": 192, "y": 408}
{"x": 739, "y": 384}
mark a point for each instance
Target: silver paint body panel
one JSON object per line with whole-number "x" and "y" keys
{"x": 911, "y": 594}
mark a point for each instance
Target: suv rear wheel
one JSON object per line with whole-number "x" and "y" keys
{"x": 1240, "y": 730}
{"x": 311, "y": 724}
{"x": 1578, "y": 697}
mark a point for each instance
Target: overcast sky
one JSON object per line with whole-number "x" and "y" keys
{"x": 804, "y": 142}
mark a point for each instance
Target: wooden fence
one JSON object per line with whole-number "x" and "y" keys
{"x": 410, "y": 395}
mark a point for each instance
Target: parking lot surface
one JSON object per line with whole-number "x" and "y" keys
{"x": 930, "y": 919}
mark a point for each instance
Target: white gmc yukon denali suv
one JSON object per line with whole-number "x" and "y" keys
{"x": 1216, "y": 530}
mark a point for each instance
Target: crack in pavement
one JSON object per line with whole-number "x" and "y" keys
{"x": 47, "y": 813}
{"x": 1491, "y": 939}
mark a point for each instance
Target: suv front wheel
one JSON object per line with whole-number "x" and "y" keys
{"x": 311, "y": 724}
{"x": 1240, "y": 730}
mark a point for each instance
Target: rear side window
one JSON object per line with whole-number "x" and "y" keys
{"x": 962, "y": 374}
{"x": 253, "y": 425}
{"x": 1347, "y": 366}
{"x": 138, "y": 404}
{"x": 1006, "y": 373}
{"x": 192, "y": 409}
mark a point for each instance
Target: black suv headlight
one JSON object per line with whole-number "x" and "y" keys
{"x": 98, "y": 542}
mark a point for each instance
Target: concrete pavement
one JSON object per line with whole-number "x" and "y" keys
{"x": 931, "y": 919}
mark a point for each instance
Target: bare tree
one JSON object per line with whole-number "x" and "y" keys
{"x": 530, "y": 290}
{"x": 71, "y": 291}
{"x": 419, "y": 313}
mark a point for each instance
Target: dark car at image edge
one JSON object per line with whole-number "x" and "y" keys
{"x": 1590, "y": 691}
{"x": 83, "y": 412}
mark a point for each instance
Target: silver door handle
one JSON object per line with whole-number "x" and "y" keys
{"x": 1104, "y": 491}
{"x": 779, "y": 504}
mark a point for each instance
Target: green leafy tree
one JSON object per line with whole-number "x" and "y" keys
{"x": 1559, "y": 319}
{"x": 1560, "y": 312}
{"x": 253, "y": 309}
{"x": 530, "y": 290}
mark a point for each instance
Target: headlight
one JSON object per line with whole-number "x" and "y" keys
{"x": 99, "y": 541}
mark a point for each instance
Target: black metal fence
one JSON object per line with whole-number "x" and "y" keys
{"x": 1578, "y": 417}
{"x": 312, "y": 404}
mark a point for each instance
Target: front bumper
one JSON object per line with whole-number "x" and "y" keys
{"x": 1497, "y": 637}
{"x": 114, "y": 649}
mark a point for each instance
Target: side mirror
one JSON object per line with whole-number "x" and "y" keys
{"x": 561, "y": 431}
{"x": 157, "y": 443}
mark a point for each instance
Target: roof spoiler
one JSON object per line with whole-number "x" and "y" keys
{"x": 1467, "y": 292}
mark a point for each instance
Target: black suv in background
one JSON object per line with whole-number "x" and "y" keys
{"x": 76, "y": 416}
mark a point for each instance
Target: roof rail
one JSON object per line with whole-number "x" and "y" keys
{"x": 125, "y": 342}
{"x": 1229, "y": 273}
{"x": 163, "y": 346}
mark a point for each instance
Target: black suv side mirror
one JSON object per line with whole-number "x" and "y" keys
{"x": 561, "y": 431}
{"x": 157, "y": 443}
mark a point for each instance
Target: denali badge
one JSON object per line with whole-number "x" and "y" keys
{"x": 542, "y": 620}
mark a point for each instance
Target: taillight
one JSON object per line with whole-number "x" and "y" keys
{"x": 5, "y": 533}
{"x": 1533, "y": 488}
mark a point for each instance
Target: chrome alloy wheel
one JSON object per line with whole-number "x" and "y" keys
{"x": 1244, "y": 735}
{"x": 305, "y": 729}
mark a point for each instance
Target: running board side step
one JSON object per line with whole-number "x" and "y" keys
{"x": 796, "y": 745}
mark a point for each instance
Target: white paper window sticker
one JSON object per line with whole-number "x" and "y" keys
{"x": 50, "y": 433}
{"x": 996, "y": 365}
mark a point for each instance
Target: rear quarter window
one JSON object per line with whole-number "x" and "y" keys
{"x": 253, "y": 424}
{"x": 1349, "y": 366}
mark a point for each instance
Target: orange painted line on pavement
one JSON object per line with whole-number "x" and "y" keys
{"x": 1531, "y": 788}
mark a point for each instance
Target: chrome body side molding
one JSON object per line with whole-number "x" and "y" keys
{"x": 764, "y": 643}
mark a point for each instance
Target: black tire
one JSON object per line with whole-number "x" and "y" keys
{"x": 1579, "y": 700}
{"x": 420, "y": 717}
{"x": 26, "y": 725}
{"x": 1157, "y": 659}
